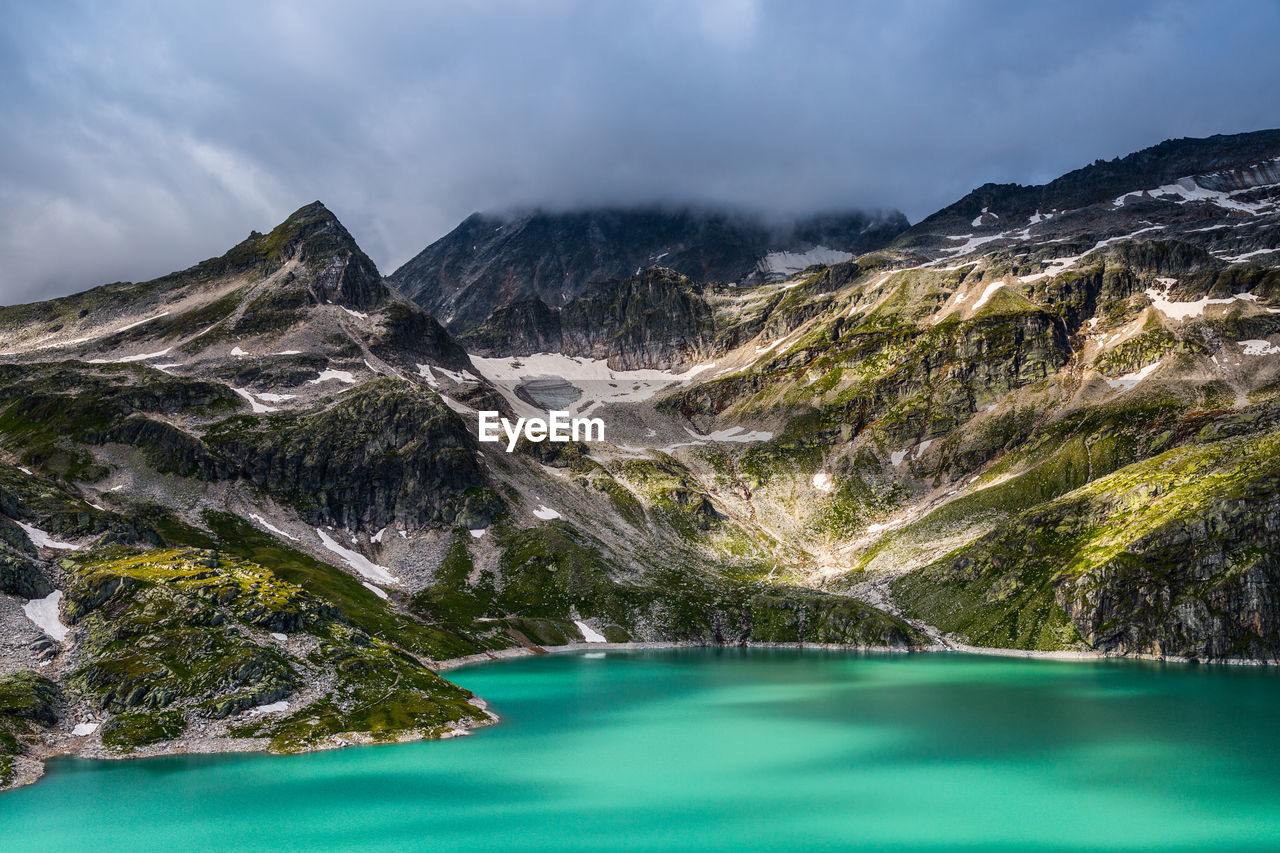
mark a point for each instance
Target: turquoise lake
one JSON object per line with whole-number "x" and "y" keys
{"x": 730, "y": 749}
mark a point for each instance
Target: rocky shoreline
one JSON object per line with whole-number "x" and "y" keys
{"x": 960, "y": 648}
{"x": 31, "y": 767}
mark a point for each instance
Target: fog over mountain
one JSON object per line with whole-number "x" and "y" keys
{"x": 141, "y": 135}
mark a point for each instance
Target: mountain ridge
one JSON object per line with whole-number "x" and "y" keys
{"x": 488, "y": 261}
{"x": 245, "y": 504}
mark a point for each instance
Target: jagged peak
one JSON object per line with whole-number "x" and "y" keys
{"x": 314, "y": 236}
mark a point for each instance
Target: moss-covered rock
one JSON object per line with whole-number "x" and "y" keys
{"x": 125, "y": 732}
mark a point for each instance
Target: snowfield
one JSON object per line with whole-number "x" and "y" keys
{"x": 1259, "y": 348}
{"x": 786, "y": 264}
{"x": 1187, "y": 310}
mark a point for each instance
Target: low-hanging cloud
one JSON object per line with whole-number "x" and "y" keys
{"x": 142, "y": 137}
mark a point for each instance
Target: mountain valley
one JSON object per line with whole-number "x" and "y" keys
{"x": 243, "y": 506}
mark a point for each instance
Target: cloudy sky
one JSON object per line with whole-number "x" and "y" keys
{"x": 139, "y": 138}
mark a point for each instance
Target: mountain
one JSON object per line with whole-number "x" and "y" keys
{"x": 245, "y": 505}
{"x": 242, "y": 504}
{"x": 1205, "y": 192}
{"x": 489, "y": 262}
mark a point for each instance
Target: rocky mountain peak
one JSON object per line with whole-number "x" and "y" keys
{"x": 313, "y": 236}
{"x": 492, "y": 261}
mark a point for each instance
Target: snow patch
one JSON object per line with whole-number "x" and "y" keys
{"x": 786, "y": 264}
{"x": 971, "y": 243}
{"x": 987, "y": 294}
{"x": 1259, "y": 348}
{"x": 44, "y": 612}
{"x": 327, "y": 375}
{"x": 598, "y": 382}
{"x": 358, "y": 561}
{"x": 1235, "y": 259}
{"x": 44, "y": 540}
{"x": 460, "y": 408}
{"x": 275, "y": 635}
{"x": 237, "y": 352}
{"x": 1131, "y": 380}
{"x": 897, "y": 456}
{"x": 822, "y": 482}
{"x": 1186, "y": 190}
{"x": 258, "y": 408}
{"x": 477, "y": 532}
{"x": 546, "y": 513}
{"x": 82, "y": 729}
{"x": 360, "y": 314}
{"x": 588, "y": 633}
{"x": 273, "y": 708}
{"x": 1187, "y": 310}
{"x": 735, "y": 434}
{"x": 381, "y": 593}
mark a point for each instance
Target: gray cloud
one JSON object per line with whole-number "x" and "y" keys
{"x": 141, "y": 137}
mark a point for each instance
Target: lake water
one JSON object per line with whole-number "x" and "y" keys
{"x": 742, "y": 750}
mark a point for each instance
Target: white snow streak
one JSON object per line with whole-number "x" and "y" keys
{"x": 140, "y": 322}
{"x": 987, "y": 294}
{"x": 129, "y": 358}
{"x": 276, "y": 530}
{"x": 44, "y": 540}
{"x": 358, "y": 561}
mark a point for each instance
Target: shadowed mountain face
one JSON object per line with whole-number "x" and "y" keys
{"x": 1207, "y": 192}
{"x": 1044, "y": 418}
{"x": 489, "y": 262}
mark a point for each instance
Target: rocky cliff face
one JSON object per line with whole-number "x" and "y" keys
{"x": 490, "y": 262}
{"x": 658, "y": 318}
